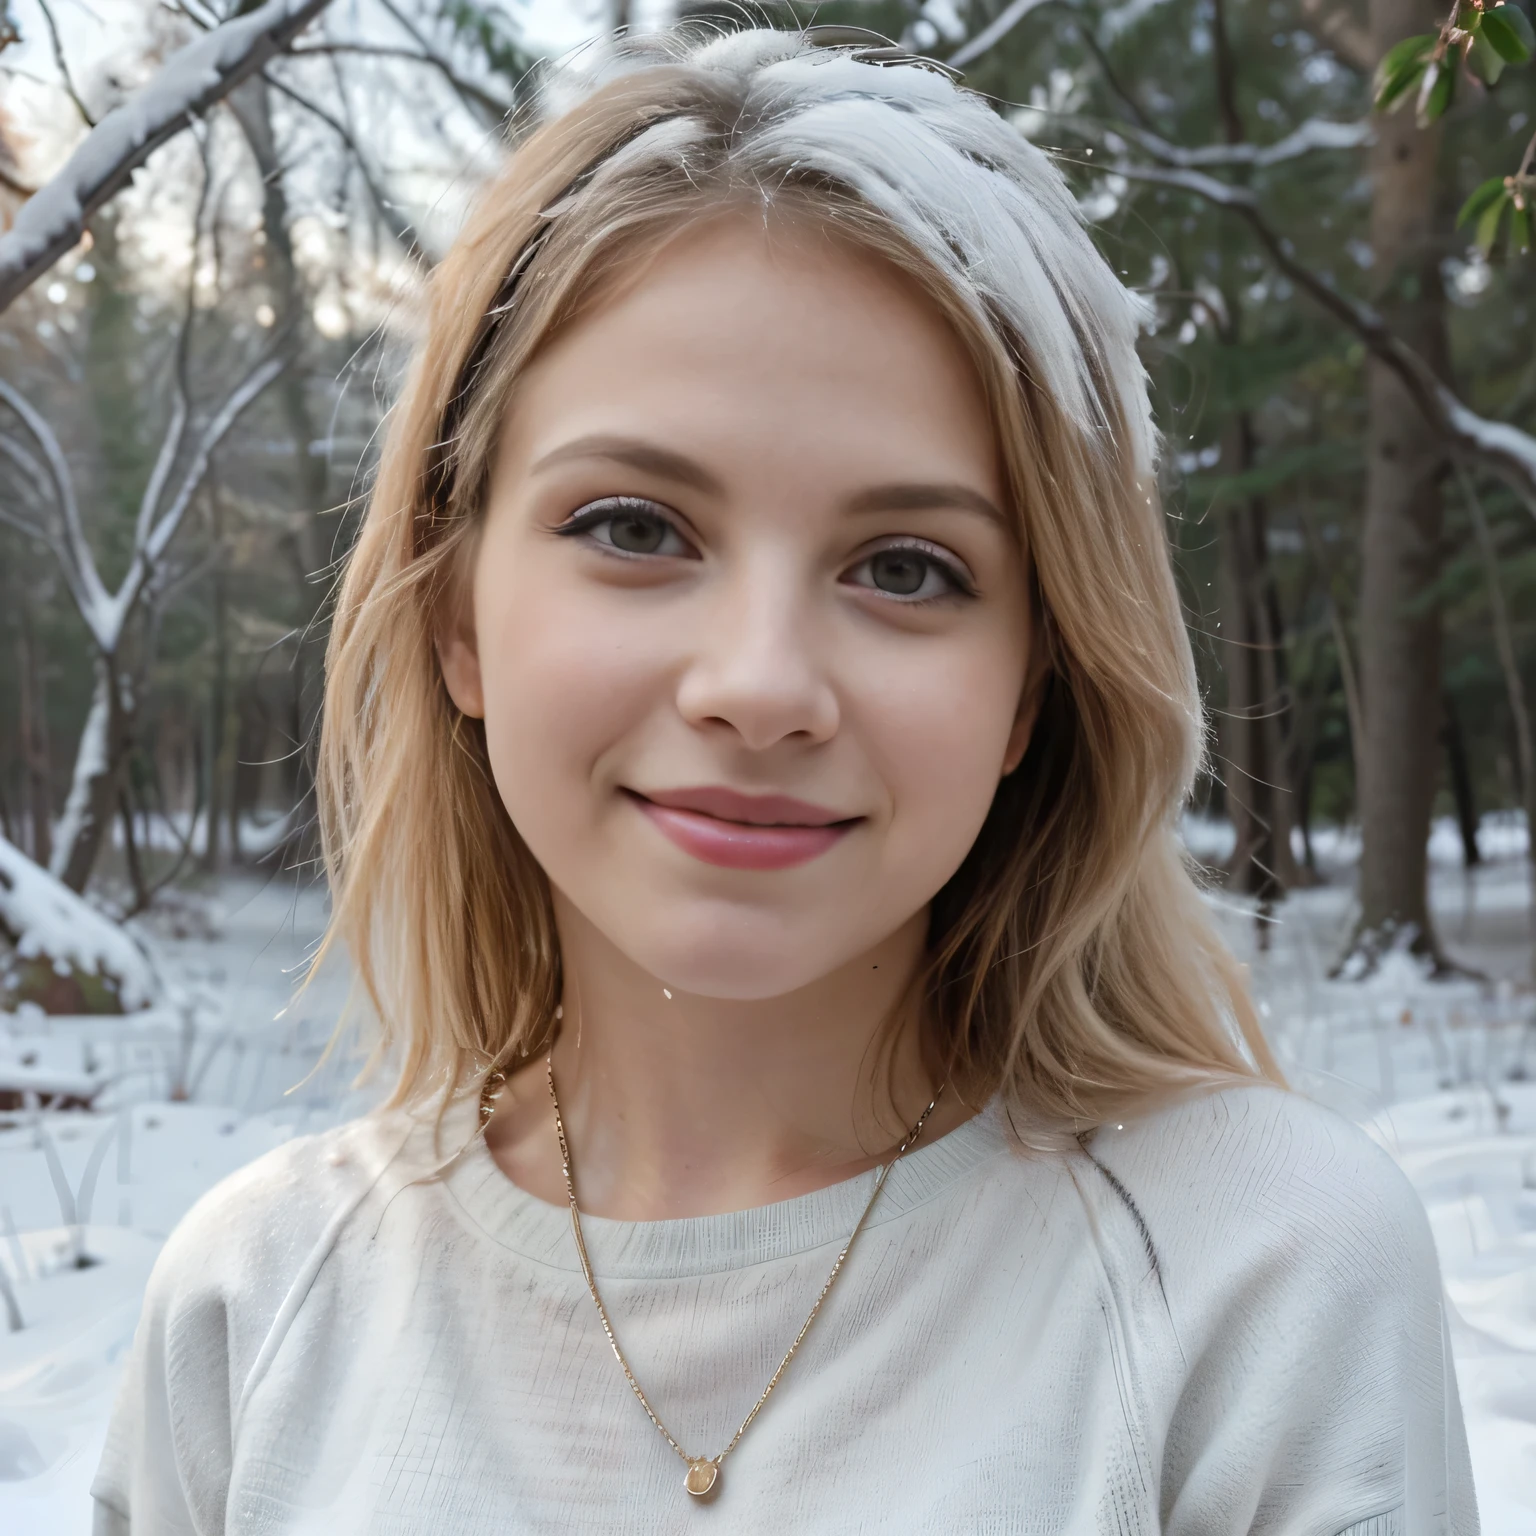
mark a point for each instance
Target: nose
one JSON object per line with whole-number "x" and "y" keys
{"x": 759, "y": 665}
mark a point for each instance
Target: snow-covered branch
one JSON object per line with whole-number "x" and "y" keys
{"x": 148, "y": 554}
{"x": 993, "y": 33}
{"x": 189, "y": 83}
{"x": 1497, "y": 446}
{"x": 1314, "y": 134}
{"x": 79, "y": 565}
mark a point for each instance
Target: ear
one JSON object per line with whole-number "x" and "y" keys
{"x": 1024, "y": 722}
{"x": 458, "y": 657}
{"x": 1031, "y": 695}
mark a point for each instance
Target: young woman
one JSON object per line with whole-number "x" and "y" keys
{"x": 758, "y": 715}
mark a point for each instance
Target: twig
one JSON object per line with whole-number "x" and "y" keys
{"x": 468, "y": 91}
{"x": 63, "y": 63}
{"x": 398, "y": 227}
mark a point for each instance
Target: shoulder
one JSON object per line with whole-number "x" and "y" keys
{"x": 1253, "y": 1186}
{"x": 234, "y": 1258}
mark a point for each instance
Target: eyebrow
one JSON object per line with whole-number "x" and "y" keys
{"x": 921, "y": 497}
{"x": 666, "y": 464}
{"x": 646, "y": 457}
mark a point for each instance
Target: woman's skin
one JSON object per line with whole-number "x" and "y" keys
{"x": 811, "y": 590}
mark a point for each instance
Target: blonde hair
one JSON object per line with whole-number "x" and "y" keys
{"x": 1072, "y": 964}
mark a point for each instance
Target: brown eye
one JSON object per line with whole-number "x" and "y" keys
{"x": 901, "y": 572}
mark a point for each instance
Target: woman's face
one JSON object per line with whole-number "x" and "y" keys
{"x": 750, "y": 629}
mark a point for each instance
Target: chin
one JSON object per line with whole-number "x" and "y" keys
{"x": 739, "y": 957}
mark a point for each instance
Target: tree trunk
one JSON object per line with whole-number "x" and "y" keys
{"x": 252, "y": 108}
{"x": 1400, "y": 540}
{"x": 93, "y": 790}
{"x": 35, "y": 760}
{"x": 1254, "y": 728}
{"x": 1460, "y": 772}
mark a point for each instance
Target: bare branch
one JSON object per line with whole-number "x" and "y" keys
{"x": 148, "y": 555}
{"x": 399, "y": 227}
{"x": 474, "y": 96}
{"x": 989, "y": 36}
{"x": 189, "y": 83}
{"x": 63, "y": 63}
{"x": 170, "y": 444}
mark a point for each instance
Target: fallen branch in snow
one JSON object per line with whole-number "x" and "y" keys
{"x": 189, "y": 83}
{"x": 44, "y": 919}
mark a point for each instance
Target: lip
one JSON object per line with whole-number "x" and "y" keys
{"x": 733, "y": 830}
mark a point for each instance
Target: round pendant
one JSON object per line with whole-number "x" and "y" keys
{"x": 701, "y": 1477}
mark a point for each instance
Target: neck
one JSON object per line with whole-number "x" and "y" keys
{"x": 680, "y": 1105}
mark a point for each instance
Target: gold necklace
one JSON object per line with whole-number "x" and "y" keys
{"x": 703, "y": 1471}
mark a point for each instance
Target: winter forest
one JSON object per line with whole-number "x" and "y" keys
{"x": 216, "y": 219}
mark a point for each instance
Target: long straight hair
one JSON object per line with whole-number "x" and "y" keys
{"x": 1071, "y": 962}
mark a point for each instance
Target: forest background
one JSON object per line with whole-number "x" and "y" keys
{"x": 194, "y": 370}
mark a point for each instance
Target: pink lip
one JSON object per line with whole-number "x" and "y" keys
{"x": 736, "y": 831}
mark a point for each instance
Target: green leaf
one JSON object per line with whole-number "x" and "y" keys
{"x": 1401, "y": 68}
{"x": 1395, "y": 91}
{"x": 1490, "y": 191}
{"x": 1436, "y": 92}
{"x": 1488, "y": 223}
{"x": 1468, "y": 18}
{"x": 1484, "y": 62}
{"x": 1503, "y": 33}
{"x": 1520, "y": 232}
{"x": 1520, "y": 24}
{"x": 1410, "y": 50}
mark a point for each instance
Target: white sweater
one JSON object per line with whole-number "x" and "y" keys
{"x": 1227, "y": 1318}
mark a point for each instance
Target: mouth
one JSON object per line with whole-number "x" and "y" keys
{"x": 724, "y": 827}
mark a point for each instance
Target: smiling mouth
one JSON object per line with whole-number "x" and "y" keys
{"x": 735, "y": 831}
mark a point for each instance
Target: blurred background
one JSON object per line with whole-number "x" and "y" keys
{"x": 217, "y": 221}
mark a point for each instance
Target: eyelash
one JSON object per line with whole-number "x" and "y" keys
{"x": 605, "y": 510}
{"x": 585, "y": 519}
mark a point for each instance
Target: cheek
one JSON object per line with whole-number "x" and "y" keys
{"x": 938, "y": 734}
{"x": 563, "y": 681}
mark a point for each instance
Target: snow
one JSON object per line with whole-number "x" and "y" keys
{"x": 1442, "y": 1074}
{"x": 186, "y": 86}
{"x": 1495, "y": 438}
{"x": 47, "y": 919}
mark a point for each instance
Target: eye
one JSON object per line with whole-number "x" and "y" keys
{"x": 912, "y": 572}
{"x": 628, "y": 526}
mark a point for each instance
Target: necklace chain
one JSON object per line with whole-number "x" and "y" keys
{"x": 702, "y": 1470}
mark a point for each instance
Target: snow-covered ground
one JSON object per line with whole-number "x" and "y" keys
{"x": 1444, "y": 1074}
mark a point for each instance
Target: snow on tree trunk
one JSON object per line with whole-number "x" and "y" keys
{"x": 188, "y": 84}
{"x": 93, "y": 786}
